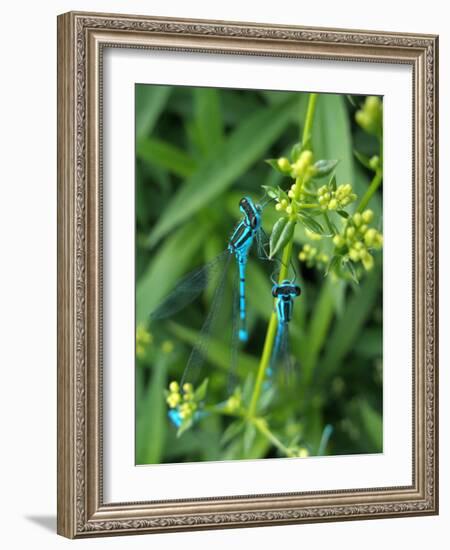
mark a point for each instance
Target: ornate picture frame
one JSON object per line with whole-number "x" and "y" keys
{"x": 82, "y": 38}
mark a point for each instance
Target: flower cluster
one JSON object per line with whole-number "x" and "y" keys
{"x": 184, "y": 402}
{"x": 302, "y": 170}
{"x": 313, "y": 257}
{"x": 370, "y": 116}
{"x": 301, "y": 167}
{"x": 143, "y": 339}
{"x": 335, "y": 199}
{"x": 358, "y": 239}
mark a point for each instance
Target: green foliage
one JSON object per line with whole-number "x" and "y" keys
{"x": 197, "y": 152}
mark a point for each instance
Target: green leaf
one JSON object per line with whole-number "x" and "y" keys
{"x": 150, "y": 100}
{"x": 233, "y": 430}
{"x": 331, "y": 138}
{"x": 324, "y": 167}
{"x": 274, "y": 164}
{"x": 343, "y": 214}
{"x": 281, "y": 235}
{"x": 151, "y": 420}
{"x": 185, "y": 425}
{"x": 245, "y": 146}
{"x": 373, "y": 425}
{"x": 334, "y": 264}
{"x": 276, "y": 232}
{"x": 200, "y": 392}
{"x": 310, "y": 223}
{"x": 160, "y": 153}
{"x": 332, "y": 183}
{"x": 272, "y": 192}
{"x": 348, "y": 265}
{"x": 351, "y": 100}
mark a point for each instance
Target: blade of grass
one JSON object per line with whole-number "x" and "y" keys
{"x": 208, "y": 124}
{"x": 245, "y": 146}
{"x": 322, "y": 316}
{"x": 165, "y": 155}
{"x": 150, "y": 100}
{"x": 151, "y": 422}
{"x": 349, "y": 326}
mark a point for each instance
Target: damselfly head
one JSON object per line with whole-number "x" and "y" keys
{"x": 287, "y": 289}
{"x": 251, "y": 211}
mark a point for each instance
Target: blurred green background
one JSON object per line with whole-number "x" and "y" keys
{"x": 198, "y": 151}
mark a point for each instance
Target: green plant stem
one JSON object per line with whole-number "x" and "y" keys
{"x": 310, "y": 111}
{"x": 261, "y": 425}
{"x": 285, "y": 262}
{"x": 374, "y": 184}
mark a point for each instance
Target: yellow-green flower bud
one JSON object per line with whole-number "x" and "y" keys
{"x": 289, "y": 209}
{"x": 174, "y": 386}
{"x": 369, "y": 237}
{"x": 284, "y": 203}
{"x": 291, "y": 194}
{"x": 363, "y": 228}
{"x": 354, "y": 254}
{"x": 173, "y": 400}
{"x": 350, "y": 232}
{"x": 283, "y": 164}
{"x": 379, "y": 240}
{"x": 372, "y": 104}
{"x": 338, "y": 241}
{"x": 188, "y": 388}
{"x": 302, "y": 256}
{"x": 367, "y": 261}
{"x": 167, "y": 346}
{"x": 367, "y": 216}
{"x": 357, "y": 219}
{"x": 306, "y": 157}
{"x": 278, "y": 206}
{"x": 333, "y": 204}
{"x": 374, "y": 162}
{"x": 303, "y": 452}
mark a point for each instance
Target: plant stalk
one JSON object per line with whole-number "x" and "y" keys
{"x": 285, "y": 262}
{"x": 374, "y": 184}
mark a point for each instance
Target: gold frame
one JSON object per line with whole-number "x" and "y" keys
{"x": 81, "y": 39}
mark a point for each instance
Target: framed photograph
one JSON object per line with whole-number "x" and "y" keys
{"x": 247, "y": 284}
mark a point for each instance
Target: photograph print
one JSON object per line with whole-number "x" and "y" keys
{"x": 258, "y": 265}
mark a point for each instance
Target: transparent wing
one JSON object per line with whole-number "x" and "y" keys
{"x": 262, "y": 244}
{"x": 200, "y": 350}
{"x": 189, "y": 288}
{"x": 282, "y": 365}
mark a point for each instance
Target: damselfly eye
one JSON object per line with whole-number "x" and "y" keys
{"x": 297, "y": 290}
